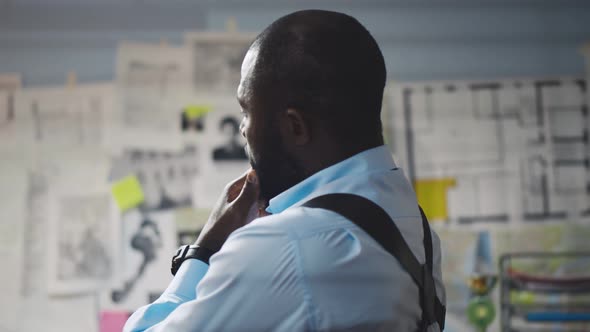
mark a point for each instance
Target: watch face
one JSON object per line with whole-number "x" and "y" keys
{"x": 177, "y": 259}
{"x": 178, "y": 252}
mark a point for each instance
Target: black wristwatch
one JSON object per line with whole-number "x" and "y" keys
{"x": 187, "y": 252}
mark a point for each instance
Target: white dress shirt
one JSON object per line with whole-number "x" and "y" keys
{"x": 305, "y": 269}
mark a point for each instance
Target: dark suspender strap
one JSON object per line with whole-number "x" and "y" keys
{"x": 427, "y": 239}
{"x": 382, "y": 229}
{"x": 439, "y": 310}
{"x": 358, "y": 209}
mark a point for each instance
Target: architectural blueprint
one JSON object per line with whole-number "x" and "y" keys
{"x": 502, "y": 151}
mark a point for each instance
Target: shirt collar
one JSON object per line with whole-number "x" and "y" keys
{"x": 373, "y": 159}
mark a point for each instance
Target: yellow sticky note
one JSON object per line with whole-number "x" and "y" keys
{"x": 127, "y": 192}
{"x": 196, "y": 111}
{"x": 432, "y": 196}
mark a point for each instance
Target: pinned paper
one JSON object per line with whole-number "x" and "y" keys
{"x": 112, "y": 321}
{"x": 432, "y": 196}
{"x": 196, "y": 111}
{"x": 127, "y": 192}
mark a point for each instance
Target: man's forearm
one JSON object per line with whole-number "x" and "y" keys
{"x": 182, "y": 289}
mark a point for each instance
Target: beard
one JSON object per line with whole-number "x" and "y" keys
{"x": 277, "y": 171}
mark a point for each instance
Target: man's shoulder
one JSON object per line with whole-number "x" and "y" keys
{"x": 297, "y": 222}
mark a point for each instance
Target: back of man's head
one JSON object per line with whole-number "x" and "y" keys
{"x": 327, "y": 65}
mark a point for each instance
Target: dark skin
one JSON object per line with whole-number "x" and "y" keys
{"x": 309, "y": 147}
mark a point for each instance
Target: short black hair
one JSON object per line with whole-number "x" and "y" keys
{"x": 329, "y": 66}
{"x": 230, "y": 120}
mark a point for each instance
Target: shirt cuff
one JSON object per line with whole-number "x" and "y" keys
{"x": 184, "y": 284}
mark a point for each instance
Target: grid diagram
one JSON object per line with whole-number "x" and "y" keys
{"x": 502, "y": 151}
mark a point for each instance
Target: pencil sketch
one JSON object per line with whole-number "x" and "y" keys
{"x": 80, "y": 257}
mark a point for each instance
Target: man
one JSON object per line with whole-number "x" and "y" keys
{"x": 310, "y": 93}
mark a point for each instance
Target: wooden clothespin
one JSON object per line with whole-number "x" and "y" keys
{"x": 231, "y": 25}
{"x": 72, "y": 79}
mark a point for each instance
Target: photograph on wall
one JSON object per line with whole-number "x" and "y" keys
{"x": 166, "y": 177}
{"x": 233, "y": 147}
{"x": 222, "y": 154}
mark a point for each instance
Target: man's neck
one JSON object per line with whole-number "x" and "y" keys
{"x": 330, "y": 154}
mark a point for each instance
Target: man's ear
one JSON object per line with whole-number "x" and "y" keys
{"x": 295, "y": 128}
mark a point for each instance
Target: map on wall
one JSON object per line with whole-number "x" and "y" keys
{"x": 501, "y": 151}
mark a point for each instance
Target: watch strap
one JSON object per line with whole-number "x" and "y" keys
{"x": 190, "y": 252}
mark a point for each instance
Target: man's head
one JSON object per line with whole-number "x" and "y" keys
{"x": 311, "y": 90}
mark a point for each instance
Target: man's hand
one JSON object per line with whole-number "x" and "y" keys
{"x": 237, "y": 206}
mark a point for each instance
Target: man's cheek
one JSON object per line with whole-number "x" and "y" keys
{"x": 247, "y": 150}
{"x": 250, "y": 155}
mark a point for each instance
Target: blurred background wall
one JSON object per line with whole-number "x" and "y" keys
{"x": 480, "y": 79}
{"x": 421, "y": 39}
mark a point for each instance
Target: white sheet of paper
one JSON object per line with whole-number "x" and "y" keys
{"x": 217, "y": 58}
{"x": 13, "y": 184}
{"x": 515, "y": 147}
{"x": 64, "y": 116}
{"x": 80, "y": 242}
{"x": 59, "y": 314}
{"x": 50, "y": 172}
{"x": 150, "y": 80}
{"x": 146, "y": 244}
{"x": 76, "y": 171}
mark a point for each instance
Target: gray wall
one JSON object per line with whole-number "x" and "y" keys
{"x": 421, "y": 39}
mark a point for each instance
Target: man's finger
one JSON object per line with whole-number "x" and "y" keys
{"x": 249, "y": 194}
{"x": 236, "y": 186}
